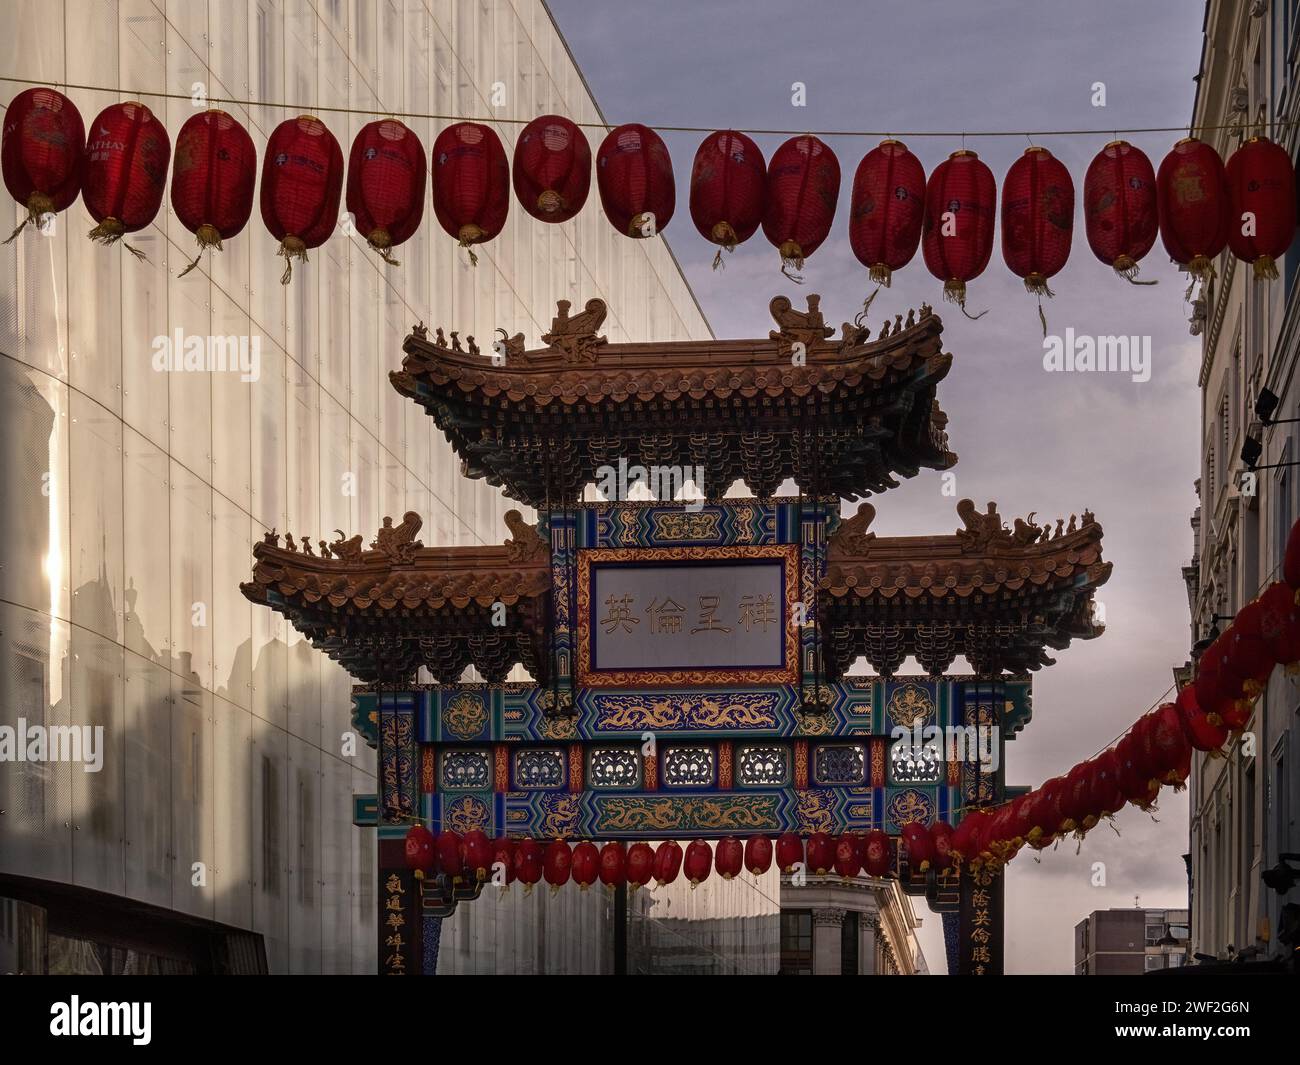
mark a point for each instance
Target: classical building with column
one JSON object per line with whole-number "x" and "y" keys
{"x": 1243, "y": 806}
{"x": 861, "y": 926}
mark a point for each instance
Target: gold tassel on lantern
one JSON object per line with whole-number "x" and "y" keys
{"x": 1201, "y": 268}
{"x": 110, "y": 231}
{"x": 550, "y": 202}
{"x": 1265, "y": 268}
{"x": 38, "y": 205}
{"x": 881, "y": 274}
{"x": 208, "y": 237}
{"x": 469, "y": 235}
{"x": 291, "y": 248}
{"x": 1128, "y": 269}
{"x": 792, "y": 259}
{"x": 954, "y": 291}
{"x": 380, "y": 243}
{"x": 726, "y": 236}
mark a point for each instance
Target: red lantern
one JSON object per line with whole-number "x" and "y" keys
{"x": 552, "y": 168}
{"x": 586, "y": 864}
{"x": 803, "y": 185}
{"x": 1074, "y": 800}
{"x": 1279, "y": 624}
{"x": 961, "y": 200}
{"x": 668, "y": 862}
{"x": 1135, "y": 778}
{"x": 478, "y": 853}
{"x": 386, "y": 172}
{"x": 471, "y": 183}
{"x": 1291, "y": 560}
{"x": 1037, "y": 218}
{"x": 1261, "y": 204}
{"x": 848, "y": 860}
{"x": 635, "y": 177}
{"x": 1249, "y": 655}
{"x": 758, "y": 854}
{"x": 127, "y": 155}
{"x": 1119, "y": 207}
{"x": 941, "y": 844}
{"x": 729, "y": 857}
{"x": 698, "y": 863}
{"x": 887, "y": 209}
{"x": 877, "y": 859}
{"x": 821, "y": 853}
{"x": 1193, "y": 198}
{"x": 613, "y": 864}
{"x": 451, "y": 860}
{"x": 1203, "y": 734}
{"x": 557, "y": 864}
{"x": 640, "y": 864}
{"x": 789, "y": 851}
{"x": 302, "y": 181}
{"x": 1105, "y": 794}
{"x": 1170, "y": 747}
{"x": 528, "y": 863}
{"x": 920, "y": 851}
{"x": 212, "y": 185}
{"x": 728, "y": 190}
{"x": 1002, "y": 837}
{"x": 503, "y": 859}
{"x": 42, "y": 153}
{"x": 420, "y": 854}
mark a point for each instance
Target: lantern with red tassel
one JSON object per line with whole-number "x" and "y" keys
{"x": 451, "y": 860}
{"x": 42, "y": 153}
{"x": 552, "y": 168}
{"x": 477, "y": 849}
{"x": 698, "y": 862}
{"x": 1261, "y": 204}
{"x": 961, "y": 200}
{"x": 1037, "y": 220}
{"x": 585, "y": 864}
{"x": 789, "y": 851}
{"x": 503, "y": 860}
{"x": 528, "y": 863}
{"x": 127, "y": 155}
{"x": 728, "y": 190}
{"x": 635, "y": 177}
{"x": 212, "y": 185}
{"x": 385, "y": 196}
{"x": 667, "y": 863}
{"x": 887, "y": 209}
{"x": 613, "y": 865}
{"x": 471, "y": 183}
{"x": 1279, "y": 624}
{"x": 920, "y": 850}
{"x": 758, "y": 854}
{"x": 420, "y": 854}
{"x": 640, "y": 865}
{"x": 557, "y": 864}
{"x": 848, "y": 859}
{"x": 1193, "y": 197}
{"x": 821, "y": 853}
{"x": 1119, "y": 208}
{"x": 729, "y": 857}
{"x": 1201, "y": 732}
{"x": 302, "y": 182}
{"x": 803, "y": 185}
{"x": 876, "y": 857}
{"x": 941, "y": 844}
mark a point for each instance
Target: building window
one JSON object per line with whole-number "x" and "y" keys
{"x": 688, "y": 767}
{"x": 796, "y": 942}
{"x": 540, "y": 769}
{"x": 614, "y": 768}
{"x": 849, "y": 944}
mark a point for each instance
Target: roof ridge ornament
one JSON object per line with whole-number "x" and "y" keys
{"x": 399, "y": 542}
{"x": 576, "y": 336}
{"x": 798, "y": 327}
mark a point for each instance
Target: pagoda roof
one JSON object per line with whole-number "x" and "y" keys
{"x": 840, "y": 415}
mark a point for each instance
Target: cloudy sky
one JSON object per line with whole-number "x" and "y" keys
{"x": 1052, "y": 443}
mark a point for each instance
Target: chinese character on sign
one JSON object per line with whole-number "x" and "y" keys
{"x": 757, "y": 611}
{"x": 620, "y": 614}
{"x": 665, "y": 616}
{"x": 708, "y": 618}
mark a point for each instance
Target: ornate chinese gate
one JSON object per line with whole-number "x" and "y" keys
{"x": 689, "y": 657}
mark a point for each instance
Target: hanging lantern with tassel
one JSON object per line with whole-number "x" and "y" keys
{"x": 821, "y": 853}
{"x": 613, "y": 865}
{"x": 1280, "y": 624}
{"x": 385, "y": 193}
{"x": 1193, "y": 197}
{"x": 961, "y": 200}
{"x": 887, "y": 209}
{"x": 1120, "y": 213}
{"x": 848, "y": 856}
{"x": 503, "y": 860}
{"x": 1037, "y": 221}
{"x": 803, "y": 185}
{"x": 302, "y": 183}
{"x": 212, "y": 185}
{"x": 728, "y": 190}
{"x": 667, "y": 863}
{"x": 640, "y": 865}
{"x": 451, "y": 860}
{"x": 876, "y": 854}
{"x": 789, "y": 851}
{"x": 920, "y": 850}
{"x": 471, "y": 184}
{"x": 1202, "y": 734}
{"x": 698, "y": 862}
{"x": 634, "y": 175}
{"x": 941, "y": 844}
{"x": 528, "y": 863}
{"x": 758, "y": 854}
{"x": 729, "y": 857}
{"x": 127, "y": 156}
{"x": 477, "y": 849}
{"x": 419, "y": 851}
{"x": 586, "y": 864}
{"x": 557, "y": 864}
{"x": 552, "y": 168}
{"x": 42, "y": 153}
{"x": 1261, "y": 205}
